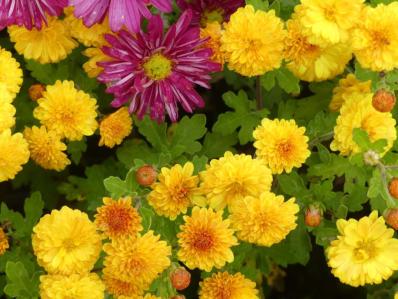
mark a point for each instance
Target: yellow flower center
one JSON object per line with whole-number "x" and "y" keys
{"x": 210, "y": 16}
{"x": 180, "y": 194}
{"x": 285, "y": 148}
{"x": 69, "y": 244}
{"x": 203, "y": 240}
{"x": 380, "y": 39}
{"x": 364, "y": 252}
{"x": 329, "y": 13}
{"x": 158, "y": 67}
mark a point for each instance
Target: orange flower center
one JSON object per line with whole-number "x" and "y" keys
{"x": 118, "y": 219}
{"x": 203, "y": 240}
{"x": 285, "y": 148}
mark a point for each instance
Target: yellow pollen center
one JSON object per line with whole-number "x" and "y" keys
{"x": 380, "y": 39}
{"x": 69, "y": 245}
{"x": 210, "y": 16}
{"x": 285, "y": 148}
{"x": 364, "y": 252}
{"x": 330, "y": 14}
{"x": 158, "y": 67}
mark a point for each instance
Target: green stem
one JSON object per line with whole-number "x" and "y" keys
{"x": 320, "y": 139}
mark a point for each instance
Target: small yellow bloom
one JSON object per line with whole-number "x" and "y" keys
{"x": 51, "y": 44}
{"x": 205, "y": 240}
{"x": 115, "y": 127}
{"x": 10, "y": 73}
{"x": 213, "y": 33}
{"x": 121, "y": 289}
{"x": 67, "y": 111}
{"x": 95, "y": 55}
{"x": 364, "y": 252}
{"x": 66, "y": 242}
{"x": 281, "y": 144}
{"x": 265, "y": 220}
{"x": 13, "y": 154}
{"x": 223, "y": 285}
{"x": 7, "y": 112}
{"x": 253, "y": 41}
{"x": 46, "y": 148}
{"x": 4, "y": 245}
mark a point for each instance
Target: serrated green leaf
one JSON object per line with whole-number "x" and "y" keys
{"x": 136, "y": 149}
{"x": 216, "y": 144}
{"x": 33, "y": 208}
{"x": 116, "y": 187}
{"x": 199, "y": 163}
{"x": 268, "y": 80}
{"x": 76, "y": 150}
{"x": 154, "y": 132}
{"x": 258, "y": 4}
{"x": 286, "y": 80}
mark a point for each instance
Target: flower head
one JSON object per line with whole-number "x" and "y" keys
{"x": 95, "y": 55}
{"x": 4, "y": 245}
{"x": 223, "y": 285}
{"x": 347, "y": 86}
{"x": 65, "y": 242}
{"x": 281, "y": 144}
{"x": 205, "y": 240}
{"x": 175, "y": 191}
{"x": 46, "y": 148}
{"x": 248, "y": 50}
{"x": 265, "y": 220}
{"x": 67, "y": 111}
{"x": 137, "y": 261}
{"x": 117, "y": 218}
{"x": 13, "y": 154}
{"x": 87, "y": 286}
{"x": 7, "y": 110}
{"x": 231, "y": 178}
{"x": 358, "y": 112}
{"x": 375, "y": 41}
{"x": 50, "y": 44}
{"x": 364, "y": 252}
{"x": 121, "y": 289}
{"x": 121, "y": 12}
{"x": 10, "y": 72}
{"x": 160, "y": 70}
{"x": 115, "y": 127}
{"x": 212, "y": 33}
{"x": 29, "y": 13}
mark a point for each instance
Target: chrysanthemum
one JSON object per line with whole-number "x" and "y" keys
{"x": 121, "y": 12}
{"x": 65, "y": 242}
{"x": 121, "y": 289}
{"x": 310, "y": 62}
{"x": 160, "y": 70}
{"x": 364, "y": 252}
{"x": 233, "y": 177}
{"x": 375, "y": 41}
{"x": 115, "y": 127}
{"x": 281, "y": 144}
{"x": 347, "y": 86}
{"x": 175, "y": 191}
{"x": 117, "y": 218}
{"x": 87, "y": 286}
{"x": 7, "y": 111}
{"x": 249, "y": 50}
{"x": 13, "y": 154}
{"x": 51, "y": 44}
{"x": 29, "y": 13}
{"x": 223, "y": 285}
{"x": 358, "y": 112}
{"x": 264, "y": 220}
{"x": 4, "y": 245}
{"x": 94, "y": 55}
{"x": 213, "y": 32}
{"x": 67, "y": 111}
{"x": 5, "y": 95}
{"x": 10, "y": 72}
{"x": 329, "y": 22}
{"x": 46, "y": 148}
{"x": 205, "y": 240}
{"x": 208, "y": 11}
{"x": 138, "y": 261}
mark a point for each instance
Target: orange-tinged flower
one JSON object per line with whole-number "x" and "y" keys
{"x": 4, "y": 245}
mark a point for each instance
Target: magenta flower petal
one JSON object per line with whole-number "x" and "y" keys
{"x": 157, "y": 72}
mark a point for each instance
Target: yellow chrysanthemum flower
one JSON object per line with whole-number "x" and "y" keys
{"x": 176, "y": 190}
{"x": 358, "y": 112}
{"x": 10, "y": 73}
{"x": 121, "y": 289}
{"x": 67, "y": 111}
{"x": 223, "y": 285}
{"x": 205, "y": 240}
{"x": 264, "y": 220}
{"x": 117, "y": 218}
{"x": 249, "y": 50}
{"x": 95, "y": 55}
{"x": 46, "y": 148}
{"x": 88, "y": 286}
{"x": 4, "y": 245}
{"x": 375, "y": 41}
{"x": 281, "y": 144}
{"x": 7, "y": 113}
{"x": 115, "y": 127}
{"x": 13, "y": 154}
{"x": 66, "y": 242}
{"x": 51, "y": 44}
{"x": 310, "y": 62}
{"x": 329, "y": 22}
{"x": 5, "y": 95}
{"x": 137, "y": 261}
{"x": 213, "y": 33}
{"x": 233, "y": 177}
{"x": 347, "y": 86}
{"x": 365, "y": 252}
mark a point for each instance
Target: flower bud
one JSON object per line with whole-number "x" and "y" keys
{"x": 180, "y": 278}
{"x": 313, "y": 216}
{"x": 146, "y": 175}
{"x": 391, "y": 217}
{"x": 36, "y": 91}
{"x": 393, "y": 188}
{"x": 371, "y": 158}
{"x": 383, "y": 100}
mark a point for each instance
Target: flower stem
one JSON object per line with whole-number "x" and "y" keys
{"x": 320, "y": 139}
{"x": 259, "y": 94}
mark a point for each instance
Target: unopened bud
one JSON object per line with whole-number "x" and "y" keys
{"x": 383, "y": 100}
{"x": 391, "y": 217}
{"x": 180, "y": 278}
{"x": 393, "y": 188}
{"x": 146, "y": 175}
{"x": 313, "y": 216}
{"x": 36, "y": 91}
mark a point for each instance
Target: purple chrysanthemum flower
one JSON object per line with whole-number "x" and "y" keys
{"x": 205, "y": 11}
{"x": 154, "y": 71}
{"x": 121, "y": 12}
{"x": 29, "y": 13}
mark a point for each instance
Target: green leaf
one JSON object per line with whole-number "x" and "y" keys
{"x": 321, "y": 124}
{"x": 325, "y": 233}
{"x": 136, "y": 149}
{"x": 33, "y": 210}
{"x": 268, "y": 80}
{"x": 258, "y": 4}
{"x": 216, "y": 144}
{"x": 286, "y": 80}
{"x": 276, "y": 5}
{"x": 199, "y": 163}
{"x": 366, "y": 74}
{"x": 116, "y": 187}
{"x": 20, "y": 284}
{"x": 76, "y": 150}
{"x": 361, "y": 138}
{"x": 154, "y": 132}
{"x": 291, "y": 183}
{"x": 336, "y": 166}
